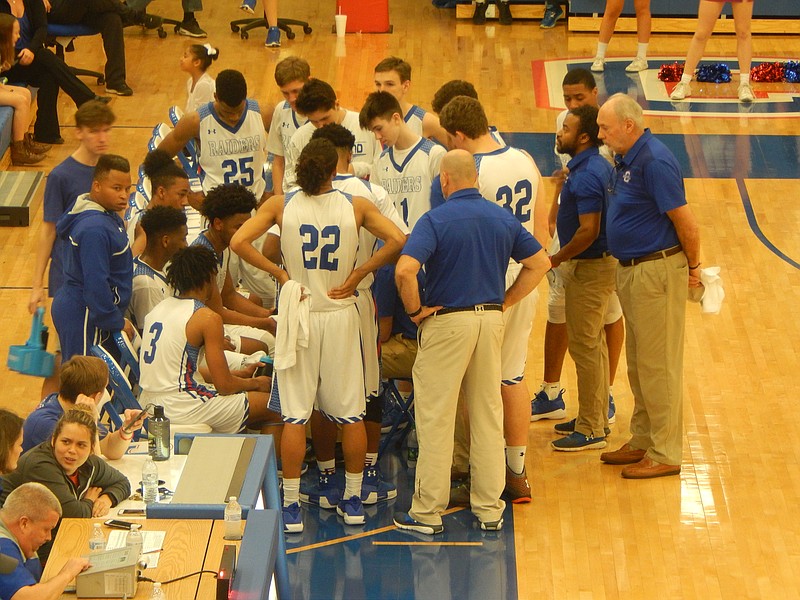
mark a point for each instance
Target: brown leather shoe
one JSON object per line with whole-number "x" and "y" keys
{"x": 34, "y": 146}
{"x": 626, "y": 455}
{"x": 20, "y": 155}
{"x": 647, "y": 468}
{"x": 518, "y": 490}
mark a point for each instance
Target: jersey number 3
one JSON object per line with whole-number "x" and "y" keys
{"x": 324, "y": 259}
{"x": 155, "y": 331}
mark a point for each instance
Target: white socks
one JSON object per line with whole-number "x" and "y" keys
{"x": 352, "y": 484}
{"x": 551, "y": 389}
{"x": 326, "y": 466}
{"x": 686, "y": 77}
{"x": 291, "y": 491}
{"x": 744, "y": 78}
{"x": 641, "y": 51}
{"x": 601, "y": 50}
{"x": 515, "y": 458}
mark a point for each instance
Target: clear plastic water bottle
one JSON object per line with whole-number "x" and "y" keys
{"x": 97, "y": 541}
{"x": 134, "y": 539}
{"x": 413, "y": 447}
{"x": 158, "y": 593}
{"x": 158, "y": 434}
{"x": 233, "y": 520}
{"x": 150, "y": 481}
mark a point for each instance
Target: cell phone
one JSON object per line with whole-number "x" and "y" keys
{"x": 139, "y": 416}
{"x": 117, "y": 524}
{"x": 133, "y": 512}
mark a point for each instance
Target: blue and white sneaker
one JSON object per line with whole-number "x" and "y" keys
{"x": 326, "y": 493}
{"x": 248, "y": 6}
{"x": 612, "y": 410}
{"x": 568, "y": 427}
{"x": 273, "y": 38}
{"x": 403, "y": 520}
{"x": 292, "y": 520}
{"x": 575, "y": 442}
{"x": 551, "y": 15}
{"x": 544, "y": 408}
{"x": 351, "y": 510}
{"x": 374, "y": 489}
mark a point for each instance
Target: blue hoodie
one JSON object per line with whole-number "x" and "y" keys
{"x": 98, "y": 264}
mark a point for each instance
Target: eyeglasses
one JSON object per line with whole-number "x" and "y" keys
{"x": 612, "y": 180}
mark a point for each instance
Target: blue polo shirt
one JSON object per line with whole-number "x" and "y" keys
{"x": 465, "y": 245}
{"x": 584, "y": 192}
{"x": 40, "y": 424}
{"x": 27, "y": 573}
{"x": 645, "y": 184}
{"x": 389, "y": 304}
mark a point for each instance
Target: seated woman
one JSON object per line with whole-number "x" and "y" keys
{"x": 10, "y": 440}
{"x": 24, "y": 151}
{"x": 83, "y": 483}
{"x": 83, "y": 380}
{"x": 39, "y": 67}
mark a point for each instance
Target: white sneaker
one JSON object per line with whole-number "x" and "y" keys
{"x": 746, "y": 93}
{"x": 681, "y": 91}
{"x": 599, "y": 65}
{"x": 639, "y": 64}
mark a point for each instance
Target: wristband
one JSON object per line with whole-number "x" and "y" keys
{"x": 123, "y": 432}
{"x": 415, "y": 313}
{"x": 697, "y": 266}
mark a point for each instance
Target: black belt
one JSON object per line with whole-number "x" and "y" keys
{"x": 654, "y": 256}
{"x": 603, "y": 255}
{"x": 477, "y": 308}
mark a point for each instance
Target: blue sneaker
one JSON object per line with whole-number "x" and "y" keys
{"x": 391, "y": 413}
{"x": 612, "y": 410}
{"x": 325, "y": 494}
{"x": 568, "y": 427}
{"x": 551, "y": 15}
{"x": 248, "y": 6}
{"x": 544, "y": 408}
{"x": 404, "y": 521}
{"x": 351, "y": 510}
{"x": 577, "y": 441}
{"x": 374, "y": 489}
{"x": 292, "y": 520}
{"x": 273, "y": 38}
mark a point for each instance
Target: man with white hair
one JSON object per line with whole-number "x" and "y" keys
{"x": 26, "y": 521}
{"x": 652, "y": 231}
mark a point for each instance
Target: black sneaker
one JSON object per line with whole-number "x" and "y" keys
{"x": 504, "y": 12}
{"x": 121, "y": 89}
{"x": 191, "y": 28}
{"x": 479, "y": 16}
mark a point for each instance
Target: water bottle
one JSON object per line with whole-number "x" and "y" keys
{"x": 158, "y": 593}
{"x": 158, "y": 435}
{"x": 97, "y": 541}
{"x": 413, "y": 447}
{"x": 135, "y": 540}
{"x": 233, "y": 520}
{"x": 150, "y": 481}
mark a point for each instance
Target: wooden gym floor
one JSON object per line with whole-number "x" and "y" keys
{"x": 727, "y": 528}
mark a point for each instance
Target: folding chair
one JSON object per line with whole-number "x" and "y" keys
{"x": 122, "y": 396}
{"x": 404, "y": 415}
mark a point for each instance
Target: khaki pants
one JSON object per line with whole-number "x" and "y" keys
{"x": 588, "y": 285}
{"x": 653, "y": 296}
{"x": 459, "y": 353}
{"x": 397, "y": 357}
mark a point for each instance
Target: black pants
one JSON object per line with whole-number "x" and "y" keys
{"x": 105, "y": 16}
{"x": 49, "y": 73}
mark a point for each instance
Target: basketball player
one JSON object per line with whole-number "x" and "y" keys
{"x": 319, "y": 241}
{"x": 291, "y": 74}
{"x": 511, "y": 178}
{"x": 579, "y": 89}
{"x": 317, "y": 102}
{"x": 393, "y": 75}
{"x": 373, "y": 489}
{"x": 408, "y": 165}
{"x": 233, "y": 136}
{"x": 175, "y": 333}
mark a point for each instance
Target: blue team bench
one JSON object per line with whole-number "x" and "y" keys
{"x": 6, "y": 119}
{"x": 680, "y": 16}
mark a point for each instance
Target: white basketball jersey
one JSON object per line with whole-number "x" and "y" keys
{"x": 509, "y": 177}
{"x": 168, "y": 363}
{"x": 354, "y": 186}
{"x": 233, "y": 154}
{"x": 414, "y": 118}
{"x": 407, "y": 176}
{"x": 150, "y": 288}
{"x": 319, "y": 244}
{"x": 223, "y": 261}
{"x": 285, "y": 122}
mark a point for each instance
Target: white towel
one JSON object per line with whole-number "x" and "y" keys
{"x": 713, "y": 293}
{"x": 293, "y": 324}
